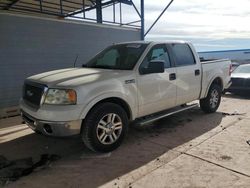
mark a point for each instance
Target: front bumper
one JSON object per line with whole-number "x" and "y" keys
{"x": 52, "y": 128}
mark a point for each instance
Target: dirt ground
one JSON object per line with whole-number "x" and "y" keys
{"x": 190, "y": 149}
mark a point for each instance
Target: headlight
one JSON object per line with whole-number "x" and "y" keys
{"x": 60, "y": 96}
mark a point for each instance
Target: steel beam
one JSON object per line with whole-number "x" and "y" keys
{"x": 61, "y": 7}
{"x": 127, "y": 2}
{"x": 136, "y": 9}
{"x": 41, "y": 6}
{"x": 129, "y": 23}
{"x": 98, "y": 11}
{"x": 120, "y": 13}
{"x": 113, "y": 12}
{"x": 158, "y": 17}
{"x": 103, "y": 4}
{"x": 87, "y": 9}
{"x": 37, "y": 11}
{"x": 142, "y": 20}
{"x": 10, "y": 5}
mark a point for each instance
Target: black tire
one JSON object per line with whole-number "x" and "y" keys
{"x": 90, "y": 130}
{"x": 206, "y": 104}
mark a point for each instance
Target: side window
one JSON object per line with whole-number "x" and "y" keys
{"x": 183, "y": 55}
{"x": 158, "y": 52}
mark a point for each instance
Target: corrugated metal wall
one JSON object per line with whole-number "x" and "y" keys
{"x": 30, "y": 45}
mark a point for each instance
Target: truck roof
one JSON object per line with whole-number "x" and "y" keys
{"x": 154, "y": 42}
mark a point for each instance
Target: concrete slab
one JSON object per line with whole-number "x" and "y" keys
{"x": 188, "y": 129}
{"x": 228, "y": 148}
{"x": 186, "y": 171}
{"x": 127, "y": 179}
{"x": 234, "y": 103}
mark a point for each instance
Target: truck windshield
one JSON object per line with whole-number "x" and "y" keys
{"x": 121, "y": 56}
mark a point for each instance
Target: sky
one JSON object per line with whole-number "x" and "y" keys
{"x": 209, "y": 24}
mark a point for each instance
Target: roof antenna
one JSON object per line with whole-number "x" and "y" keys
{"x": 75, "y": 60}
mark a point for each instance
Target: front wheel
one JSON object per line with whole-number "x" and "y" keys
{"x": 105, "y": 127}
{"x": 211, "y": 103}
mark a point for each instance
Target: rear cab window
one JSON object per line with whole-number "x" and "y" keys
{"x": 183, "y": 55}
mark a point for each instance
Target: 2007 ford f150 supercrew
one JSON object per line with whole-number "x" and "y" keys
{"x": 134, "y": 81}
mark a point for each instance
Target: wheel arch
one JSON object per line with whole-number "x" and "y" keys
{"x": 116, "y": 100}
{"x": 218, "y": 81}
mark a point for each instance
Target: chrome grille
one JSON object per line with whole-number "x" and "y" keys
{"x": 32, "y": 94}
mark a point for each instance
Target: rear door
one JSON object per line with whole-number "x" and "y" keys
{"x": 188, "y": 73}
{"x": 156, "y": 91}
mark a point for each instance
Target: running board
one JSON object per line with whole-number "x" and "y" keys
{"x": 151, "y": 118}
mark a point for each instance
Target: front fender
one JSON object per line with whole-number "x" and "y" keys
{"x": 130, "y": 102}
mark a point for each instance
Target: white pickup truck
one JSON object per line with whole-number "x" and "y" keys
{"x": 134, "y": 81}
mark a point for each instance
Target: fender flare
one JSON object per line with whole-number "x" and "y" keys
{"x": 211, "y": 82}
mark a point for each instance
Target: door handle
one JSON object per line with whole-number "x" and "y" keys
{"x": 197, "y": 72}
{"x": 172, "y": 76}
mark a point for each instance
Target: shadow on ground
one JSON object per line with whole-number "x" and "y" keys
{"x": 78, "y": 167}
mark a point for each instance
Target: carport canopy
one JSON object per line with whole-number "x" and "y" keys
{"x": 61, "y": 8}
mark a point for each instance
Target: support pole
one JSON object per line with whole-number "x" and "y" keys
{"x": 61, "y": 7}
{"x": 142, "y": 20}
{"x": 41, "y": 6}
{"x": 120, "y": 13}
{"x": 114, "y": 12}
{"x": 83, "y": 8}
{"x": 99, "y": 11}
{"x": 10, "y": 5}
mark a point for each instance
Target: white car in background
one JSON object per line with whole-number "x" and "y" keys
{"x": 240, "y": 80}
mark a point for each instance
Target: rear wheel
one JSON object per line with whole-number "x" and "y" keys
{"x": 211, "y": 103}
{"x": 105, "y": 127}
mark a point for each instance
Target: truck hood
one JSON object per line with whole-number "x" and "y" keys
{"x": 73, "y": 77}
{"x": 240, "y": 75}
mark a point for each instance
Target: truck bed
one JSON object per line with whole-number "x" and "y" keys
{"x": 206, "y": 61}
{"x": 212, "y": 67}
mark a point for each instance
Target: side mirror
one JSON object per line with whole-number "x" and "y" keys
{"x": 154, "y": 66}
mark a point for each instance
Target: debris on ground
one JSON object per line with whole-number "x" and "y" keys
{"x": 235, "y": 113}
{"x": 12, "y": 170}
{"x": 225, "y": 157}
{"x": 248, "y": 142}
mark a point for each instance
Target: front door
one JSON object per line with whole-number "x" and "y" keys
{"x": 156, "y": 91}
